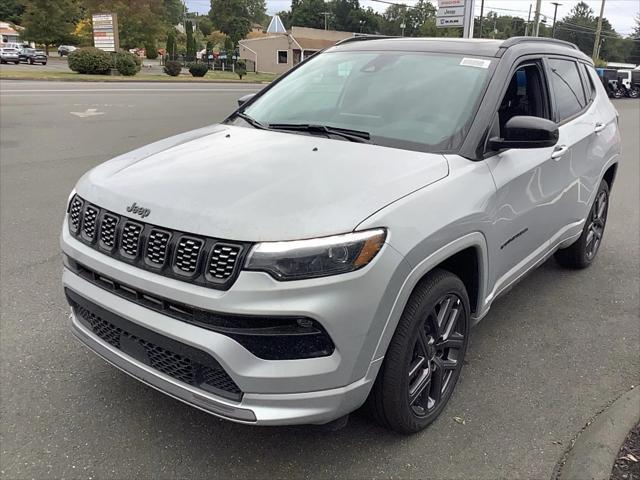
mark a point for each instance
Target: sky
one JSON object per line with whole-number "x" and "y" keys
{"x": 620, "y": 13}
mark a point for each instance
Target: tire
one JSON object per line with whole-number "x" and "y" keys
{"x": 618, "y": 93}
{"x": 582, "y": 253}
{"x": 2, "y": 62}
{"x": 44, "y": 63}
{"x": 634, "y": 93}
{"x": 31, "y": 61}
{"x": 423, "y": 354}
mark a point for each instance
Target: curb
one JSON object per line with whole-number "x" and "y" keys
{"x": 593, "y": 452}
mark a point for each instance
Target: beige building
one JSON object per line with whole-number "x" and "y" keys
{"x": 278, "y": 52}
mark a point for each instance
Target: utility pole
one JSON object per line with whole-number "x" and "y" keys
{"x": 526, "y": 28}
{"x": 481, "y": 17}
{"x": 596, "y": 43}
{"x": 536, "y": 17}
{"x": 555, "y": 12}
{"x": 326, "y": 16}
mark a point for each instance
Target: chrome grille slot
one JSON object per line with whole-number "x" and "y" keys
{"x": 222, "y": 261}
{"x": 74, "y": 214}
{"x": 108, "y": 231}
{"x": 187, "y": 254}
{"x": 157, "y": 247}
{"x": 89, "y": 222}
{"x": 130, "y": 239}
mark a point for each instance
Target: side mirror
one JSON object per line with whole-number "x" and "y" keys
{"x": 526, "y": 132}
{"x": 245, "y": 99}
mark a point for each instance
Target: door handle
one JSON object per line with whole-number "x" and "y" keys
{"x": 599, "y": 127}
{"x": 559, "y": 152}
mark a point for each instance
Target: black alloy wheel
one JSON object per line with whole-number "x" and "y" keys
{"x": 436, "y": 355}
{"x": 582, "y": 252}
{"x": 425, "y": 355}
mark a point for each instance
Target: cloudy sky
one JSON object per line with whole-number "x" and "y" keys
{"x": 621, "y": 13}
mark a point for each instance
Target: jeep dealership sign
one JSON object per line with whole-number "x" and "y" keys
{"x": 456, "y": 13}
{"x": 105, "y": 31}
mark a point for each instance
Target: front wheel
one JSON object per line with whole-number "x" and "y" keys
{"x": 424, "y": 359}
{"x": 618, "y": 93}
{"x": 31, "y": 61}
{"x": 582, "y": 253}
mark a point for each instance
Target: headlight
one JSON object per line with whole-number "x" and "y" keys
{"x": 317, "y": 257}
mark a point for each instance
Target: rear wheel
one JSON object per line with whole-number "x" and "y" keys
{"x": 424, "y": 359}
{"x": 584, "y": 250}
{"x": 31, "y": 61}
{"x": 634, "y": 92}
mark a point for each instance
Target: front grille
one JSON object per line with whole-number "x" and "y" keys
{"x": 204, "y": 261}
{"x": 182, "y": 362}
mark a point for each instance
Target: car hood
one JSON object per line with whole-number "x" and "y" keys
{"x": 241, "y": 183}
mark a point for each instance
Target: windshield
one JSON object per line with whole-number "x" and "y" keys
{"x": 417, "y": 101}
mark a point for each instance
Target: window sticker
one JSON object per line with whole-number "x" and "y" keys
{"x": 475, "y": 62}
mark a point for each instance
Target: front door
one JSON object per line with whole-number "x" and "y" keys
{"x": 530, "y": 183}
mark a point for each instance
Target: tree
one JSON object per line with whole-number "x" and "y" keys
{"x": 205, "y": 26}
{"x": 11, "y": 11}
{"x": 174, "y": 10}
{"x": 191, "y": 46}
{"x": 257, "y": 10}
{"x": 172, "y": 46}
{"x": 308, "y": 13}
{"x": 49, "y": 22}
{"x": 231, "y": 17}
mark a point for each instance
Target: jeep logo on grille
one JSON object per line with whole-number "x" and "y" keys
{"x": 143, "y": 212}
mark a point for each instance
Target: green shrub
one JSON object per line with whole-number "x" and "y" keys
{"x": 241, "y": 68}
{"x": 198, "y": 69}
{"x": 126, "y": 64}
{"x": 151, "y": 51}
{"x": 172, "y": 68}
{"x": 90, "y": 60}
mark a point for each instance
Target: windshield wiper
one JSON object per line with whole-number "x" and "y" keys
{"x": 348, "y": 134}
{"x": 251, "y": 121}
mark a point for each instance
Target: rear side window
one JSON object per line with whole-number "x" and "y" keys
{"x": 589, "y": 86}
{"x": 567, "y": 87}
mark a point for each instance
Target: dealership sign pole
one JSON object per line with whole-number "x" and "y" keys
{"x": 456, "y": 13}
{"x": 105, "y": 31}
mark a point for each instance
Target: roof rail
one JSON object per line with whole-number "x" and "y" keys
{"x": 359, "y": 38}
{"x": 510, "y": 42}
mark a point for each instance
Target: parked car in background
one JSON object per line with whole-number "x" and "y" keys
{"x": 31, "y": 55}
{"x": 66, "y": 50}
{"x": 629, "y": 81}
{"x": 9, "y": 55}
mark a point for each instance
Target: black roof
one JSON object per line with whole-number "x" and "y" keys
{"x": 471, "y": 46}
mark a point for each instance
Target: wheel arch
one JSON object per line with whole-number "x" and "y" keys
{"x": 465, "y": 257}
{"x": 610, "y": 175}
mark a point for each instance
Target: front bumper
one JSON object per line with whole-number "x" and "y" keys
{"x": 353, "y": 308}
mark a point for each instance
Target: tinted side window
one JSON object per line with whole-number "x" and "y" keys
{"x": 589, "y": 86}
{"x": 567, "y": 87}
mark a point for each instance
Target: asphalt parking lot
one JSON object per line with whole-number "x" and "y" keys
{"x": 552, "y": 353}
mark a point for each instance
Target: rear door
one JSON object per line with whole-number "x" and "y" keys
{"x": 578, "y": 124}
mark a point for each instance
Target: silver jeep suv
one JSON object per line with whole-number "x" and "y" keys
{"x": 333, "y": 240}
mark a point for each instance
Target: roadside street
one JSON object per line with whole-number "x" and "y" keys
{"x": 549, "y": 355}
